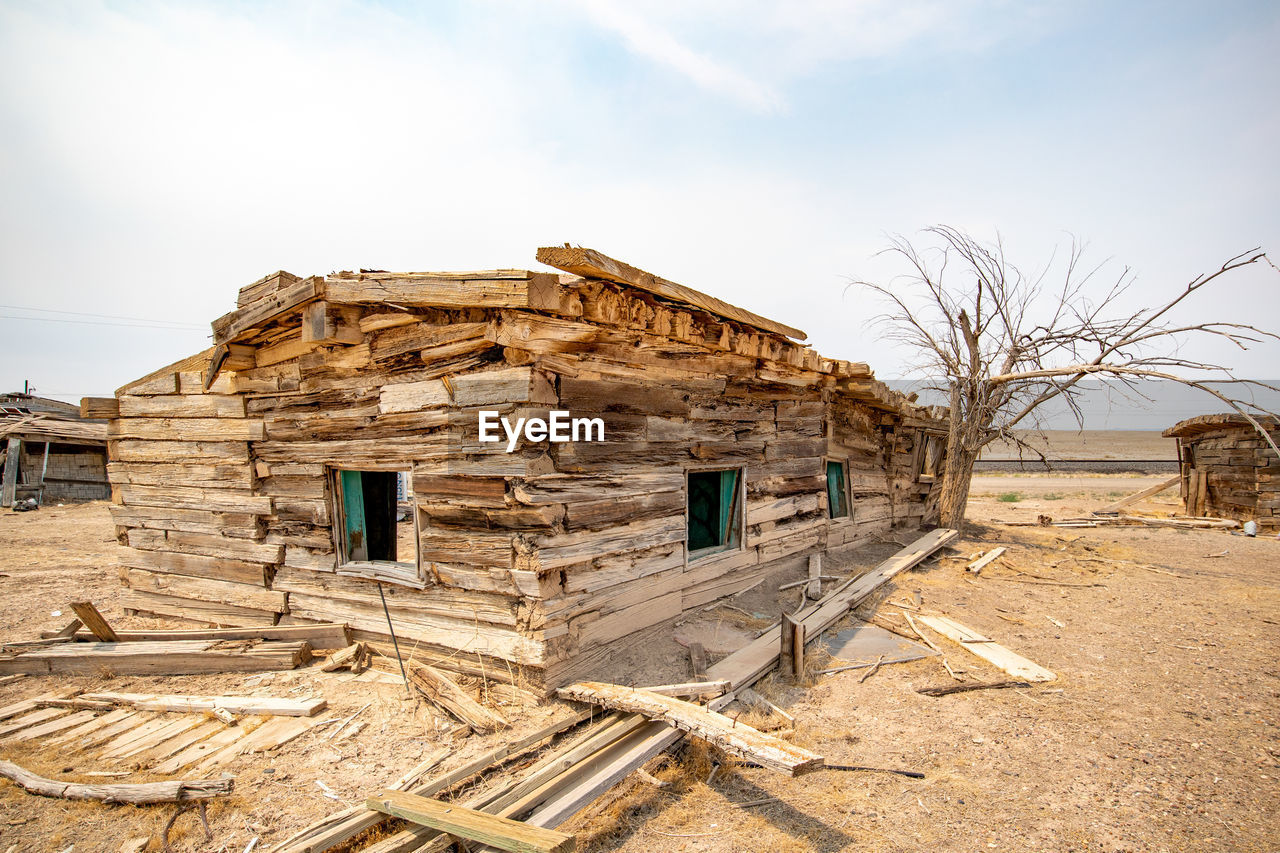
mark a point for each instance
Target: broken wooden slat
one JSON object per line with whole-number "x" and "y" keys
{"x": 993, "y": 653}
{"x": 473, "y": 825}
{"x": 726, "y": 733}
{"x": 443, "y": 691}
{"x": 985, "y": 560}
{"x": 1138, "y": 496}
{"x": 692, "y": 689}
{"x": 149, "y": 792}
{"x": 698, "y": 661}
{"x": 791, "y": 650}
{"x": 344, "y": 658}
{"x": 275, "y": 706}
{"x": 177, "y": 743}
{"x": 51, "y": 727}
{"x": 108, "y": 719}
{"x": 268, "y": 736}
{"x": 32, "y": 718}
{"x": 203, "y": 749}
{"x": 92, "y": 619}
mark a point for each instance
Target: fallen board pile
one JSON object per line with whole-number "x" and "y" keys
{"x": 611, "y": 749}
{"x": 163, "y": 734}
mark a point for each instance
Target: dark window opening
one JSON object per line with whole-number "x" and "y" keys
{"x": 372, "y": 526}
{"x": 837, "y": 490}
{"x": 715, "y": 510}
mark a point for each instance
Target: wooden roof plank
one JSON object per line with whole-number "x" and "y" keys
{"x": 589, "y": 263}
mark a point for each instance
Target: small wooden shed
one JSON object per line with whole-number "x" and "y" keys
{"x": 330, "y": 450}
{"x": 52, "y": 459}
{"x": 1228, "y": 469}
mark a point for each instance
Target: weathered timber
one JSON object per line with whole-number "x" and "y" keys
{"x": 592, "y": 264}
{"x": 992, "y": 652}
{"x": 445, "y": 692}
{"x": 92, "y": 619}
{"x": 179, "y": 657}
{"x": 177, "y": 791}
{"x": 502, "y": 833}
{"x": 724, "y": 732}
{"x": 272, "y": 705}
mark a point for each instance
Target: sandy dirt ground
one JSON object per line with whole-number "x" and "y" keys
{"x": 1159, "y": 733}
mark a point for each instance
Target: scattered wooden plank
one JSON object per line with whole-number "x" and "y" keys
{"x": 51, "y": 727}
{"x": 726, "y": 733}
{"x": 1138, "y": 496}
{"x": 205, "y": 748}
{"x": 791, "y": 650}
{"x": 176, "y": 791}
{"x": 105, "y": 733}
{"x": 92, "y": 619}
{"x": 178, "y": 657}
{"x": 698, "y": 661}
{"x": 179, "y": 742}
{"x": 108, "y": 719}
{"x": 985, "y": 560}
{"x": 470, "y": 824}
{"x": 268, "y": 736}
{"x": 347, "y": 658}
{"x": 69, "y": 631}
{"x": 179, "y": 703}
{"x": 168, "y": 728}
{"x": 323, "y": 636}
{"x": 993, "y": 653}
{"x": 443, "y": 691}
{"x": 602, "y": 771}
{"x": 692, "y": 689}
{"x": 33, "y": 717}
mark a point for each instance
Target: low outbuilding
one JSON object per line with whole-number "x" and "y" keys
{"x": 1229, "y": 470}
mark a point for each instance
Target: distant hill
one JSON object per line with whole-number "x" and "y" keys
{"x": 1108, "y": 405}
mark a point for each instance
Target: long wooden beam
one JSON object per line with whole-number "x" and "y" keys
{"x": 589, "y": 263}
{"x": 176, "y": 703}
{"x": 728, "y": 734}
{"x": 1138, "y": 496}
{"x": 500, "y": 832}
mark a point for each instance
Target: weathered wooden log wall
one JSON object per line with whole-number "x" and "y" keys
{"x": 1229, "y": 470}
{"x": 537, "y": 559}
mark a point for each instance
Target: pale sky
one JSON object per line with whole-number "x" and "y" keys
{"x": 155, "y": 157}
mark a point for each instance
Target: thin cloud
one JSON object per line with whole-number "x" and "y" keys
{"x": 654, "y": 43}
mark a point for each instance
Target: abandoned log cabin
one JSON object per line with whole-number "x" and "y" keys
{"x": 331, "y": 439}
{"x": 52, "y": 459}
{"x": 1228, "y": 469}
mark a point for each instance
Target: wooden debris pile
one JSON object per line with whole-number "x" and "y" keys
{"x": 103, "y": 650}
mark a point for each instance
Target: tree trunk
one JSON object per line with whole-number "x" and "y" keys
{"x": 958, "y": 470}
{"x": 955, "y": 488}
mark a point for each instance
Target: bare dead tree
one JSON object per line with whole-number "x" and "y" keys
{"x": 1001, "y": 344}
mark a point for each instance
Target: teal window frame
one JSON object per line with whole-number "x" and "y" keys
{"x": 839, "y": 504}
{"x": 714, "y": 515}
{"x": 350, "y": 528}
